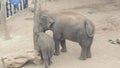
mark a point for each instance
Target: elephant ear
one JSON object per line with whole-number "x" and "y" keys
{"x": 51, "y": 21}
{"x": 48, "y": 21}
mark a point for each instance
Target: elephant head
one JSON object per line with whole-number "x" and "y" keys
{"x": 46, "y": 22}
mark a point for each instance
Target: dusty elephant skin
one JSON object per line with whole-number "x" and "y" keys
{"x": 69, "y": 25}
{"x": 45, "y": 47}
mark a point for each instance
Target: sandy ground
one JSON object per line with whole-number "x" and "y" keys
{"x": 106, "y": 19}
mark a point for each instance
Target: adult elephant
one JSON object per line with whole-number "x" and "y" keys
{"x": 68, "y": 25}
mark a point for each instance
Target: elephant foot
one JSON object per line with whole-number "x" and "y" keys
{"x": 82, "y": 58}
{"x": 89, "y": 56}
{"x": 56, "y": 53}
{"x": 50, "y": 62}
{"x": 41, "y": 62}
{"x": 63, "y": 50}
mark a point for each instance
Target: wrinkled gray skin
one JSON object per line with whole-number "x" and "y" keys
{"x": 45, "y": 47}
{"x": 43, "y": 43}
{"x": 69, "y": 25}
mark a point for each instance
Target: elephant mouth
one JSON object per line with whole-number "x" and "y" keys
{"x": 45, "y": 29}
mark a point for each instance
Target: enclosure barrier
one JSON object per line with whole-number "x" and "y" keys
{"x": 7, "y": 9}
{"x": 14, "y": 6}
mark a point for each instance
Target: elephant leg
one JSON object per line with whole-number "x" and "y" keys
{"x": 45, "y": 57}
{"x": 57, "y": 52}
{"x": 63, "y": 45}
{"x": 89, "y": 47}
{"x": 46, "y": 63}
{"x": 42, "y": 60}
{"x": 50, "y": 62}
{"x": 50, "y": 57}
{"x": 86, "y": 47}
{"x": 83, "y": 53}
{"x": 89, "y": 52}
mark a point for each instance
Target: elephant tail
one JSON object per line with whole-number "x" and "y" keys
{"x": 89, "y": 28}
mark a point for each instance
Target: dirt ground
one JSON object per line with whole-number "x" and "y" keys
{"x": 105, "y": 17}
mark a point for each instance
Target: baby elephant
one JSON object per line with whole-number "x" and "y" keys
{"x": 45, "y": 47}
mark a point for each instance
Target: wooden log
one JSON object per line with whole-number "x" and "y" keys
{"x": 18, "y": 60}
